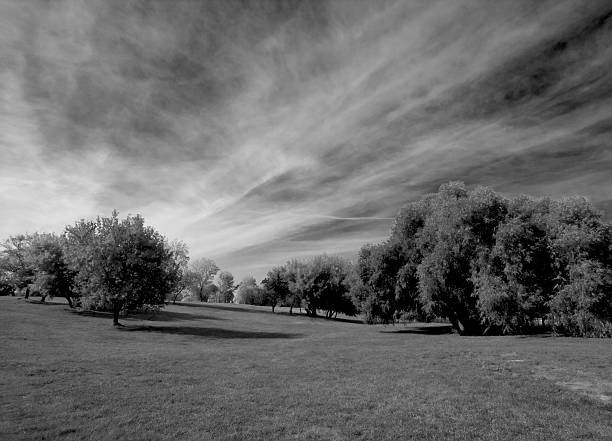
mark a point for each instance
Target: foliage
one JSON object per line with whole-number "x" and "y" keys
{"x": 200, "y": 275}
{"x": 179, "y": 265}
{"x": 122, "y": 264}
{"x": 53, "y": 276}
{"x": 276, "y": 285}
{"x": 226, "y": 287}
{"x": 249, "y": 293}
{"x": 583, "y": 305}
{"x": 15, "y": 263}
{"x": 488, "y": 263}
{"x": 323, "y": 286}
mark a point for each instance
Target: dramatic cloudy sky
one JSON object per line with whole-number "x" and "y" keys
{"x": 262, "y": 130}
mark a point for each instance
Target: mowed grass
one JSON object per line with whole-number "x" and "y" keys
{"x": 227, "y": 372}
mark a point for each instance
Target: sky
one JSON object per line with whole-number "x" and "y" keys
{"x": 259, "y": 131}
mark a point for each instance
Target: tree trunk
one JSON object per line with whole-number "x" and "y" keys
{"x": 273, "y": 308}
{"x": 69, "y": 301}
{"x": 291, "y": 310}
{"x": 116, "y": 316}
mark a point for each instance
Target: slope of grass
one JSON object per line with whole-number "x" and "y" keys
{"x": 242, "y": 373}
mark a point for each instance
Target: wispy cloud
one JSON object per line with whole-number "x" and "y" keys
{"x": 268, "y": 130}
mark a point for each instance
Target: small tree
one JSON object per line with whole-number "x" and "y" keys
{"x": 296, "y": 272}
{"x": 15, "y": 262}
{"x": 201, "y": 274}
{"x": 249, "y": 293}
{"x": 226, "y": 287}
{"x": 277, "y": 286}
{"x": 179, "y": 265}
{"x": 52, "y": 275}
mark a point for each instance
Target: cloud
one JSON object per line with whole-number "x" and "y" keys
{"x": 261, "y": 131}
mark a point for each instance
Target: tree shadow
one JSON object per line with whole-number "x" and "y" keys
{"x": 171, "y": 316}
{"x": 161, "y": 316}
{"x": 423, "y": 330}
{"x": 208, "y": 332}
{"x": 46, "y": 302}
{"x": 540, "y": 335}
{"x": 227, "y": 308}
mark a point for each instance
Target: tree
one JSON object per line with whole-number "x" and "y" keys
{"x": 515, "y": 282}
{"x": 321, "y": 284}
{"x": 179, "y": 264}
{"x": 52, "y": 275}
{"x": 459, "y": 229}
{"x": 296, "y": 272}
{"x": 583, "y": 305}
{"x": 248, "y": 292}
{"x": 125, "y": 264}
{"x": 226, "y": 287}
{"x": 277, "y": 285}
{"x": 202, "y": 272}
{"x": 378, "y": 266}
{"x": 15, "y": 262}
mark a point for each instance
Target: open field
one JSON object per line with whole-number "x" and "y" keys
{"x": 240, "y": 373}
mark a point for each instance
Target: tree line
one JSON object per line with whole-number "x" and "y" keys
{"x": 486, "y": 263}
{"x": 108, "y": 264}
{"x": 492, "y": 264}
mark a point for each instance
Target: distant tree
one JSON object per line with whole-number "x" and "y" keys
{"x": 226, "y": 287}
{"x": 179, "y": 265}
{"x": 53, "y": 276}
{"x": 202, "y": 272}
{"x": 15, "y": 262}
{"x": 296, "y": 272}
{"x": 276, "y": 284}
{"x": 321, "y": 283}
{"x": 123, "y": 264}
{"x": 211, "y": 291}
{"x": 249, "y": 293}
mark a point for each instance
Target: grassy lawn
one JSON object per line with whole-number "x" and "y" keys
{"x": 241, "y": 373}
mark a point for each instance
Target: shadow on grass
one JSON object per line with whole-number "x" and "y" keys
{"x": 161, "y": 316}
{"x": 268, "y": 311}
{"x": 46, "y": 302}
{"x": 221, "y": 307}
{"x": 423, "y": 330}
{"x": 170, "y": 316}
{"x": 540, "y": 335}
{"x": 207, "y": 332}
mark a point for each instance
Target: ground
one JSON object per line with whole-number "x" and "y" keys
{"x": 233, "y": 372}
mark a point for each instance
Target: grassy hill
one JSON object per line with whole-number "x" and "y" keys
{"x": 229, "y": 372}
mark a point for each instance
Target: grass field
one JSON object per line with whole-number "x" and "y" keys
{"x": 227, "y": 372}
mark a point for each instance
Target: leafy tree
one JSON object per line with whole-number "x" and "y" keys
{"x": 249, "y": 293}
{"x": 179, "y": 265}
{"x": 125, "y": 263}
{"x": 458, "y": 231}
{"x": 15, "y": 262}
{"x": 378, "y": 266}
{"x": 518, "y": 279}
{"x": 201, "y": 274}
{"x": 583, "y": 306}
{"x": 296, "y": 272}
{"x": 322, "y": 284}
{"x": 211, "y": 291}
{"x": 226, "y": 287}
{"x": 277, "y": 286}
{"x": 52, "y": 275}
